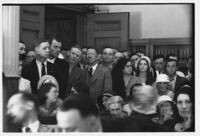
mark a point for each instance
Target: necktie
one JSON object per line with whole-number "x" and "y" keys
{"x": 43, "y": 69}
{"x": 27, "y": 130}
{"x": 90, "y": 72}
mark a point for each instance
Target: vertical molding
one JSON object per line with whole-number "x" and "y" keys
{"x": 11, "y": 19}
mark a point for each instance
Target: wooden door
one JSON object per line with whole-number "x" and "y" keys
{"x": 108, "y": 30}
{"x": 31, "y": 24}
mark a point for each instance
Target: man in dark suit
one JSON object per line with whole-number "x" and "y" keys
{"x": 22, "y": 109}
{"x": 77, "y": 76}
{"x": 99, "y": 77}
{"x": 62, "y": 65}
{"x": 40, "y": 66}
{"x": 176, "y": 80}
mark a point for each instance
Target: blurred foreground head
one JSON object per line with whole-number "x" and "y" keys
{"x": 78, "y": 113}
{"x": 144, "y": 98}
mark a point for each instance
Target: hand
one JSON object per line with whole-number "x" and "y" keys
{"x": 168, "y": 115}
{"x": 188, "y": 121}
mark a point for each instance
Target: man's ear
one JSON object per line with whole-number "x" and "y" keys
{"x": 36, "y": 50}
{"x": 29, "y": 105}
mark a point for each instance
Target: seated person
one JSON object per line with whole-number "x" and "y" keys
{"x": 165, "y": 110}
{"x": 102, "y": 102}
{"x": 115, "y": 105}
{"x": 48, "y": 103}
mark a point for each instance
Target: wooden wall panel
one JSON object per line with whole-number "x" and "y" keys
{"x": 31, "y": 24}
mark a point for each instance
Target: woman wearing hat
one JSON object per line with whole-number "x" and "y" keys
{"x": 165, "y": 110}
{"x": 48, "y": 103}
{"x": 163, "y": 86}
{"x": 102, "y": 102}
{"x": 144, "y": 70}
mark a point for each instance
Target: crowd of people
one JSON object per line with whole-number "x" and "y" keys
{"x": 109, "y": 91}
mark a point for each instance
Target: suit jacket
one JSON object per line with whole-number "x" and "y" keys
{"x": 31, "y": 73}
{"x": 179, "y": 82}
{"x": 77, "y": 79}
{"x": 63, "y": 67}
{"x": 100, "y": 81}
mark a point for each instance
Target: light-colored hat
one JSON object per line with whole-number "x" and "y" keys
{"x": 47, "y": 79}
{"x": 162, "y": 78}
{"x": 143, "y": 57}
{"x": 162, "y": 99}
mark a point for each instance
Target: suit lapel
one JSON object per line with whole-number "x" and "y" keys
{"x": 50, "y": 68}
{"x": 35, "y": 70}
{"x": 96, "y": 74}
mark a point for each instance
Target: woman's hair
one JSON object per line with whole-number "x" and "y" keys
{"x": 117, "y": 77}
{"x": 121, "y": 63}
{"x": 44, "y": 89}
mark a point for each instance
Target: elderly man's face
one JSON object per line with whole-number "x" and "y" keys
{"x": 72, "y": 121}
{"x": 75, "y": 55}
{"x": 17, "y": 109}
{"x": 108, "y": 55}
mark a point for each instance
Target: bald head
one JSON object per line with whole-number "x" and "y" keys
{"x": 108, "y": 55}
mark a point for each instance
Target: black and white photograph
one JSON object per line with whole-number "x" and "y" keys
{"x": 99, "y": 67}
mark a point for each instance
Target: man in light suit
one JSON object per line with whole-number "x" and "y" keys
{"x": 40, "y": 66}
{"x": 22, "y": 108}
{"x": 99, "y": 77}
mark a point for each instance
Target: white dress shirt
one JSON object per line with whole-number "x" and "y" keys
{"x": 33, "y": 127}
{"x": 173, "y": 82}
{"x": 51, "y": 60}
{"x": 39, "y": 65}
{"x": 94, "y": 68}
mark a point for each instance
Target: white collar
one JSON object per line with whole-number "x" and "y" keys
{"x": 40, "y": 63}
{"x": 34, "y": 126}
{"x": 94, "y": 67}
{"x": 51, "y": 60}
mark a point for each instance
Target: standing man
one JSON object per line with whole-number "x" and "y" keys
{"x": 62, "y": 65}
{"x": 108, "y": 57}
{"x": 40, "y": 66}
{"x": 77, "y": 76}
{"x": 171, "y": 69}
{"x": 159, "y": 63}
{"x": 99, "y": 76}
{"x": 22, "y": 108}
